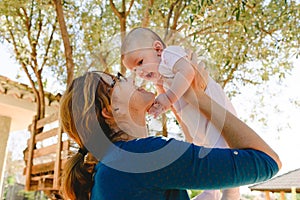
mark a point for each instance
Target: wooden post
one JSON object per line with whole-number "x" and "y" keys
{"x": 267, "y": 193}
{"x": 4, "y": 133}
{"x": 57, "y": 166}
{"x": 294, "y": 193}
{"x": 282, "y": 196}
{"x": 30, "y": 152}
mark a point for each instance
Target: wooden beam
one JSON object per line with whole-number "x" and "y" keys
{"x": 57, "y": 166}
{"x": 282, "y": 195}
{"x": 46, "y": 134}
{"x": 30, "y": 153}
{"x": 51, "y": 149}
{"x": 46, "y": 167}
{"x": 294, "y": 193}
{"x": 47, "y": 120}
{"x": 267, "y": 193}
{"x": 5, "y": 123}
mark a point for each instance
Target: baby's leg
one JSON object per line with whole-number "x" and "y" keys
{"x": 214, "y": 137}
{"x": 208, "y": 195}
{"x": 231, "y": 194}
{"x": 196, "y": 126}
{"x": 205, "y": 134}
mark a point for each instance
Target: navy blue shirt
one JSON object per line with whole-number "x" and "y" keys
{"x": 157, "y": 168}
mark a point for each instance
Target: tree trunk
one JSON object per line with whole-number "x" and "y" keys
{"x": 164, "y": 125}
{"x": 65, "y": 37}
{"x": 123, "y": 33}
{"x": 146, "y": 19}
{"x": 122, "y": 15}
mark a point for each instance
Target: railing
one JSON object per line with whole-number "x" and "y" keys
{"x": 45, "y": 155}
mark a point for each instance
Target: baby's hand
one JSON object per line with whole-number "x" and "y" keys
{"x": 161, "y": 104}
{"x": 156, "y": 109}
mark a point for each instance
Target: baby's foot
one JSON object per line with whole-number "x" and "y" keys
{"x": 208, "y": 195}
{"x": 231, "y": 194}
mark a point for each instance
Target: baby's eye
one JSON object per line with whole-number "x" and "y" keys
{"x": 140, "y": 62}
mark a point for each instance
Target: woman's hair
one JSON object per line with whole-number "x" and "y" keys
{"x": 81, "y": 110}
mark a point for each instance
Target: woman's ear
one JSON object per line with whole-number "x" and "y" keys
{"x": 158, "y": 46}
{"x": 106, "y": 113}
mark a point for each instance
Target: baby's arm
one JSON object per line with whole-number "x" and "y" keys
{"x": 184, "y": 75}
{"x": 161, "y": 90}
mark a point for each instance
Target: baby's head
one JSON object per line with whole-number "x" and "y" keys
{"x": 141, "y": 51}
{"x": 139, "y": 38}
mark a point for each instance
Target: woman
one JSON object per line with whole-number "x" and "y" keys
{"x": 98, "y": 106}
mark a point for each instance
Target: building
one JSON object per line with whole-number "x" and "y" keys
{"x": 17, "y": 109}
{"x": 285, "y": 183}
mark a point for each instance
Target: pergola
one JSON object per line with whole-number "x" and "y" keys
{"x": 285, "y": 183}
{"x": 17, "y": 109}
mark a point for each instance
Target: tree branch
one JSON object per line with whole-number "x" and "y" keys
{"x": 170, "y": 13}
{"x": 146, "y": 19}
{"x": 40, "y": 26}
{"x": 114, "y": 9}
{"x": 24, "y": 67}
{"x": 48, "y": 45}
{"x": 230, "y": 76}
{"x": 130, "y": 6}
{"x": 66, "y": 41}
{"x": 177, "y": 14}
{"x": 204, "y": 30}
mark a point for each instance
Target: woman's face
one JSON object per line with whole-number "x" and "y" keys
{"x": 129, "y": 106}
{"x": 134, "y": 100}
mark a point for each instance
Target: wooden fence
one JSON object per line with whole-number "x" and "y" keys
{"x": 45, "y": 155}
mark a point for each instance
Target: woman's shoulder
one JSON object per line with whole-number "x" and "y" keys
{"x": 150, "y": 144}
{"x": 145, "y": 144}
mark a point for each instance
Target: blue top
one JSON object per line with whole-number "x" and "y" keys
{"x": 157, "y": 168}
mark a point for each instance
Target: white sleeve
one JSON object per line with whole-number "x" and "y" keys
{"x": 169, "y": 57}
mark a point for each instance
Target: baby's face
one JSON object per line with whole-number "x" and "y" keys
{"x": 144, "y": 62}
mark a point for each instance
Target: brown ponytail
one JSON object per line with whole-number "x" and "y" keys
{"x": 77, "y": 179}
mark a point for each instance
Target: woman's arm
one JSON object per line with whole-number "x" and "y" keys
{"x": 236, "y": 133}
{"x": 181, "y": 165}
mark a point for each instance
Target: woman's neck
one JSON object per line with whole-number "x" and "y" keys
{"x": 134, "y": 125}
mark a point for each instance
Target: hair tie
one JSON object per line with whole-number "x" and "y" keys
{"x": 83, "y": 151}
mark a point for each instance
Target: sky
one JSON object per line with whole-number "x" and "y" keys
{"x": 282, "y": 115}
{"x": 282, "y": 131}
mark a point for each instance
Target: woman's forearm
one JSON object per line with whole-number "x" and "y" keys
{"x": 236, "y": 133}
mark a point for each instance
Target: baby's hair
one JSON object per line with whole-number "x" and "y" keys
{"x": 132, "y": 37}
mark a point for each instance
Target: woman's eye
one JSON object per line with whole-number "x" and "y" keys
{"x": 140, "y": 62}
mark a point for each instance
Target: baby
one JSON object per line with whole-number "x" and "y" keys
{"x": 170, "y": 68}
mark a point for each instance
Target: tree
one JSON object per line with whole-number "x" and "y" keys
{"x": 30, "y": 27}
{"x": 233, "y": 33}
{"x": 229, "y": 34}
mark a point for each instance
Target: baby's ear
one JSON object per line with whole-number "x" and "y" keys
{"x": 158, "y": 46}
